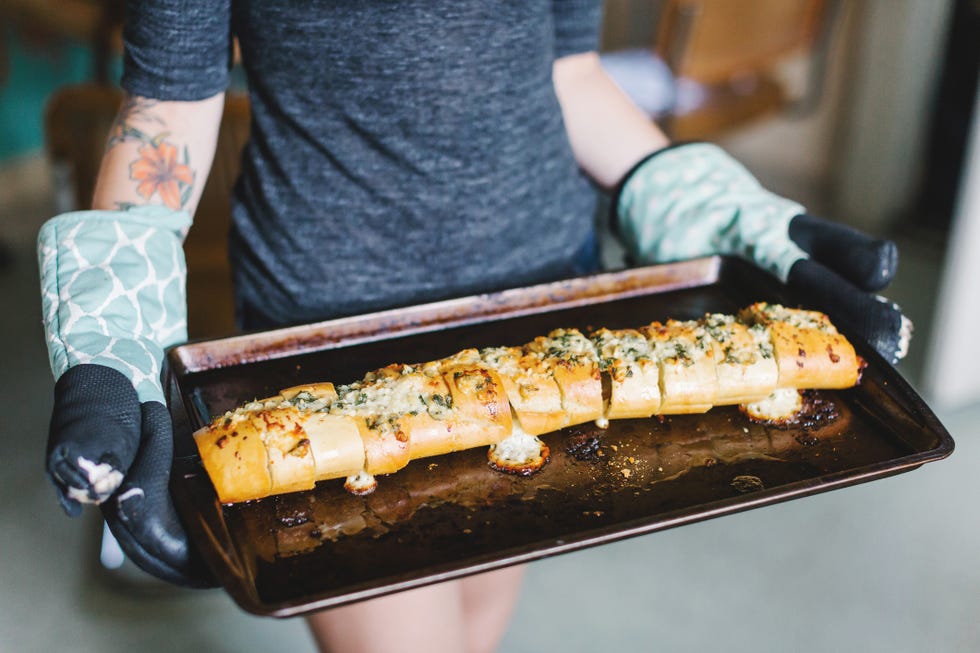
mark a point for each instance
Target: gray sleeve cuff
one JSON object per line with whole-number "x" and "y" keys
{"x": 577, "y": 24}
{"x": 176, "y": 49}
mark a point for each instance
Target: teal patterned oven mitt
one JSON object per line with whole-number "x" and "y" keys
{"x": 693, "y": 199}
{"x": 113, "y": 298}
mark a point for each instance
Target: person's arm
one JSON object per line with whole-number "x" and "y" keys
{"x": 158, "y": 153}
{"x": 608, "y": 133}
{"x": 113, "y": 283}
{"x": 113, "y": 294}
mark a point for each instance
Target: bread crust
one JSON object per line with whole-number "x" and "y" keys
{"x": 336, "y": 445}
{"x": 325, "y": 390}
{"x": 291, "y": 465}
{"x": 236, "y": 459}
{"x": 386, "y": 446}
{"x": 426, "y": 418}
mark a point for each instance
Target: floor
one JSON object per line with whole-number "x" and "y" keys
{"x": 889, "y": 566}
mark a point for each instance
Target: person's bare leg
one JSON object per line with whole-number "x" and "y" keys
{"x": 488, "y": 603}
{"x": 428, "y": 619}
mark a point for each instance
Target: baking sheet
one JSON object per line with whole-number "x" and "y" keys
{"x": 450, "y": 516}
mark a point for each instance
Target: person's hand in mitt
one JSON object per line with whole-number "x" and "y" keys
{"x": 692, "y": 200}
{"x": 113, "y": 297}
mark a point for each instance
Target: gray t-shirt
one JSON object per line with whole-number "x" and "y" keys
{"x": 401, "y": 151}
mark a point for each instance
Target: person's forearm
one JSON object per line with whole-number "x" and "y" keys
{"x": 158, "y": 153}
{"x": 608, "y": 133}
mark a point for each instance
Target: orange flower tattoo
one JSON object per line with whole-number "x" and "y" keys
{"x": 158, "y": 171}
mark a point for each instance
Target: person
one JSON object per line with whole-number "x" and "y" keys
{"x": 400, "y": 152}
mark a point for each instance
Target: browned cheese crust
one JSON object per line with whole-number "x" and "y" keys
{"x": 535, "y": 456}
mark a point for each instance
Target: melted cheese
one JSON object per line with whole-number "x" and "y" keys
{"x": 406, "y": 391}
{"x": 684, "y": 343}
{"x": 781, "y": 405}
{"x": 763, "y": 340}
{"x": 529, "y": 384}
{"x": 303, "y": 400}
{"x": 798, "y": 318}
{"x": 362, "y": 399}
{"x": 734, "y": 347}
{"x": 361, "y": 483}
{"x": 518, "y": 449}
{"x": 505, "y": 360}
{"x": 621, "y": 352}
{"x": 566, "y": 344}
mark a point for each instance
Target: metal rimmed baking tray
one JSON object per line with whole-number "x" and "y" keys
{"x": 450, "y": 516}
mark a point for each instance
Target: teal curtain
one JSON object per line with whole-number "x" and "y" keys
{"x": 35, "y": 72}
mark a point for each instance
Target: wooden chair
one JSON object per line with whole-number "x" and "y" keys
{"x": 77, "y": 122}
{"x": 704, "y": 67}
{"x": 731, "y": 51}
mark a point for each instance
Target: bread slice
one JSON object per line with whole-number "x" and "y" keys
{"x": 235, "y": 458}
{"x": 809, "y": 351}
{"x": 336, "y": 445}
{"x": 688, "y": 380}
{"x": 386, "y": 446}
{"x": 630, "y": 374}
{"x": 377, "y": 405}
{"x": 744, "y": 360}
{"x": 531, "y": 389}
{"x": 291, "y": 464}
{"x": 482, "y": 413}
{"x": 572, "y": 361}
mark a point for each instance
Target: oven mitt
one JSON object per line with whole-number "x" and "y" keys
{"x": 693, "y": 199}
{"x": 113, "y": 297}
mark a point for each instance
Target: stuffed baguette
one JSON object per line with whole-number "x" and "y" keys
{"x": 506, "y": 396}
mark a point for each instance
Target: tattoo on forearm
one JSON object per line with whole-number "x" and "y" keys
{"x": 158, "y": 172}
{"x": 157, "y": 169}
{"x": 135, "y": 108}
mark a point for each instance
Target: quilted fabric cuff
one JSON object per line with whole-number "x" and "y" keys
{"x": 695, "y": 200}
{"x": 113, "y": 291}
